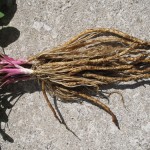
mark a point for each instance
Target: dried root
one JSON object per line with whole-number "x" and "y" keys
{"x": 93, "y": 58}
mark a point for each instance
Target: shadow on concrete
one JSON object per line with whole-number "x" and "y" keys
{"x": 9, "y": 8}
{"x": 9, "y": 96}
{"x": 8, "y": 35}
{"x": 128, "y": 85}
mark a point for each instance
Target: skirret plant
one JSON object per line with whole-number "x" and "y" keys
{"x": 76, "y": 70}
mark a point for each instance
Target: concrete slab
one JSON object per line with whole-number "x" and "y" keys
{"x": 45, "y": 24}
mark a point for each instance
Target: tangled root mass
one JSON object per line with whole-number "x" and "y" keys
{"x": 91, "y": 59}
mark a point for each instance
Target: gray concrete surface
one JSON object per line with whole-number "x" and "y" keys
{"x": 45, "y": 24}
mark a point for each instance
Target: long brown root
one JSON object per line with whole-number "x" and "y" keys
{"x": 48, "y": 102}
{"x": 101, "y": 105}
{"x": 91, "y": 59}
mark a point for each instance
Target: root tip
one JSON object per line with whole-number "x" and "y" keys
{"x": 116, "y": 122}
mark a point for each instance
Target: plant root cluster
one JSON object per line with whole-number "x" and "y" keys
{"x": 96, "y": 57}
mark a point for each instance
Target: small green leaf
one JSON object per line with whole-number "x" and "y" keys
{"x": 1, "y": 15}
